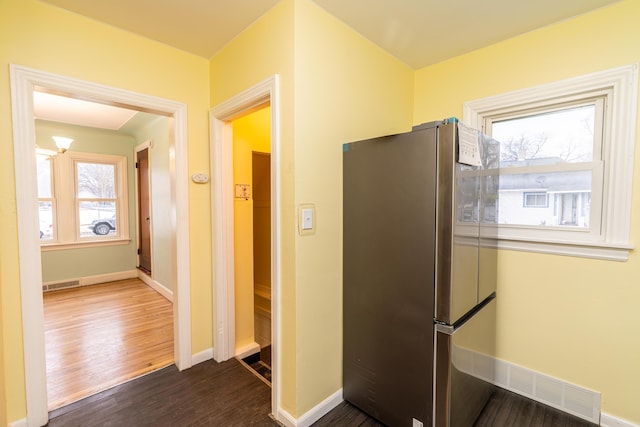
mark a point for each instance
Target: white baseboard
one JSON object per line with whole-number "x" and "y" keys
{"x": 91, "y": 280}
{"x": 607, "y": 420}
{"x": 312, "y": 415}
{"x": 19, "y": 423}
{"x": 286, "y": 419}
{"x": 167, "y": 293}
{"x": 320, "y": 410}
{"x": 202, "y": 356}
{"x": 247, "y": 350}
{"x": 109, "y": 277}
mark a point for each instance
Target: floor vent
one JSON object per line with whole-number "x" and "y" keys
{"x": 60, "y": 285}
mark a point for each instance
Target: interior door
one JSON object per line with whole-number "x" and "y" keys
{"x": 144, "y": 212}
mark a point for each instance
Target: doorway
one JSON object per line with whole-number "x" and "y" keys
{"x": 252, "y": 240}
{"x": 88, "y": 212}
{"x": 265, "y": 93}
{"x": 23, "y": 82}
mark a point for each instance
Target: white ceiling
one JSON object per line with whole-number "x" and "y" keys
{"x": 418, "y": 32}
{"x": 56, "y": 108}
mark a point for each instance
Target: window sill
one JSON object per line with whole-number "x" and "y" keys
{"x": 46, "y": 247}
{"x": 605, "y": 251}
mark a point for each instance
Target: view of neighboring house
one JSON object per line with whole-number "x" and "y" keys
{"x": 539, "y": 199}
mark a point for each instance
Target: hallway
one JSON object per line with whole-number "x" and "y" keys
{"x": 101, "y": 335}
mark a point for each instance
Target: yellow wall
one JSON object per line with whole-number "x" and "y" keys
{"x": 3, "y": 384}
{"x": 346, "y": 89}
{"x": 573, "y": 318}
{"x": 250, "y": 133}
{"x": 337, "y": 87}
{"x": 40, "y": 36}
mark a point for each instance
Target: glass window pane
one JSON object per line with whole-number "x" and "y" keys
{"x": 548, "y": 138}
{"x": 96, "y": 180}
{"x": 559, "y": 199}
{"x": 45, "y": 213}
{"x": 43, "y": 168}
{"x": 97, "y": 218}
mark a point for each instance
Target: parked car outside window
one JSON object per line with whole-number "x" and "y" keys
{"x": 103, "y": 226}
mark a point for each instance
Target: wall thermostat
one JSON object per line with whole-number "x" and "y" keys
{"x": 200, "y": 178}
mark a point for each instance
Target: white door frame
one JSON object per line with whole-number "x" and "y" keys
{"x": 221, "y": 117}
{"x": 23, "y": 82}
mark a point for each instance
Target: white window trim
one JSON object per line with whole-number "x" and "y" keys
{"x": 619, "y": 141}
{"x": 64, "y": 184}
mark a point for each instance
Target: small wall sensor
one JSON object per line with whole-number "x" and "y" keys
{"x": 200, "y": 178}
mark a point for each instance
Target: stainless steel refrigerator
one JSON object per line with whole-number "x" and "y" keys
{"x": 419, "y": 267}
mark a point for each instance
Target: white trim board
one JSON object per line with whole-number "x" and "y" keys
{"x": 19, "y": 423}
{"x": 607, "y": 420}
{"x": 247, "y": 350}
{"x": 156, "y": 286}
{"x": 313, "y": 414}
{"x": 96, "y": 279}
{"x": 23, "y": 82}
{"x": 202, "y": 356}
{"x": 320, "y": 410}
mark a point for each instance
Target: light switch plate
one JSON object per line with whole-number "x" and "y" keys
{"x": 306, "y": 219}
{"x": 243, "y": 191}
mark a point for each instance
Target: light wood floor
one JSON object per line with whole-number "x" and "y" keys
{"x": 102, "y": 335}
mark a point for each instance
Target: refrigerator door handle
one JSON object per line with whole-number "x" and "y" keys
{"x": 445, "y": 329}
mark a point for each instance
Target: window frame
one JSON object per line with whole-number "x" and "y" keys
{"x": 67, "y": 234}
{"x": 611, "y": 237}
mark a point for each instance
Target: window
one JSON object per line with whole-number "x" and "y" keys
{"x": 535, "y": 200}
{"x": 96, "y": 202}
{"x": 566, "y": 163}
{"x": 82, "y": 198}
{"x": 46, "y": 201}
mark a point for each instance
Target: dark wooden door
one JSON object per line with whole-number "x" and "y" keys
{"x": 144, "y": 211}
{"x": 261, "y": 170}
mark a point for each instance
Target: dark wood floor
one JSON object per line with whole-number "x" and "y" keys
{"x": 208, "y": 394}
{"x": 227, "y": 394}
{"x": 504, "y": 409}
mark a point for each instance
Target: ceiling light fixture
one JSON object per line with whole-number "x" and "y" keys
{"x": 63, "y": 143}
